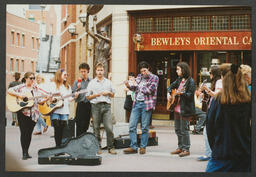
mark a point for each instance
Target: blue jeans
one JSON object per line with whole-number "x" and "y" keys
{"x": 138, "y": 111}
{"x": 40, "y": 122}
{"x": 55, "y": 116}
{"x": 208, "y": 151}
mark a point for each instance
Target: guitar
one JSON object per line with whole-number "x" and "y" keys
{"x": 14, "y": 103}
{"x": 206, "y": 97}
{"x": 48, "y": 107}
{"x": 174, "y": 99}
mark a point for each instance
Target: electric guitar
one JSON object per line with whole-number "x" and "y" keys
{"x": 14, "y": 103}
{"x": 174, "y": 99}
{"x": 48, "y": 107}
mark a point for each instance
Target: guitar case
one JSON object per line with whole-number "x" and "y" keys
{"x": 76, "y": 151}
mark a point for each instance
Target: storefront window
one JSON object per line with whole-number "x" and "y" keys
{"x": 144, "y": 25}
{"x": 163, "y": 24}
{"x": 200, "y": 23}
{"x": 181, "y": 24}
{"x": 240, "y": 22}
{"x": 219, "y": 22}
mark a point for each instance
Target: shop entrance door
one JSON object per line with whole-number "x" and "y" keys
{"x": 163, "y": 64}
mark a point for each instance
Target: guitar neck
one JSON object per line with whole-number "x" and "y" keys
{"x": 72, "y": 94}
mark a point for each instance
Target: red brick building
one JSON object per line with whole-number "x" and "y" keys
{"x": 22, "y": 45}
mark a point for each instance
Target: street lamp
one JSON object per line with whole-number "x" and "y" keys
{"x": 72, "y": 29}
{"x": 83, "y": 18}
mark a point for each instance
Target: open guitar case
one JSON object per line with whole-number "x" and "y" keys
{"x": 81, "y": 150}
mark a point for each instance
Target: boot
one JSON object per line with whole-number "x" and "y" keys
{"x": 57, "y": 132}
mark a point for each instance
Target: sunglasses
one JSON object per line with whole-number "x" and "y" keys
{"x": 32, "y": 78}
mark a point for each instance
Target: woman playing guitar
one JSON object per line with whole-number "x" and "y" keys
{"x": 27, "y": 117}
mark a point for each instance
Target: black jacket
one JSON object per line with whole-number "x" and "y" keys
{"x": 229, "y": 131}
{"x": 187, "y": 102}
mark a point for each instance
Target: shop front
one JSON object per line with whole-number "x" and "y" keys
{"x": 163, "y": 38}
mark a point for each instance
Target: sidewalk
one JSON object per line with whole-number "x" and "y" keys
{"x": 157, "y": 158}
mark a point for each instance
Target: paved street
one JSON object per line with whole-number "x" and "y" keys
{"x": 156, "y": 159}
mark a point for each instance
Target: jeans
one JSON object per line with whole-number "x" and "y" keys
{"x": 138, "y": 111}
{"x": 55, "y": 116}
{"x": 208, "y": 151}
{"x": 101, "y": 112}
{"x": 201, "y": 119}
{"x": 40, "y": 122}
{"x": 182, "y": 131}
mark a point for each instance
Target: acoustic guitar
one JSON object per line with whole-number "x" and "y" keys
{"x": 48, "y": 107}
{"x": 14, "y": 103}
{"x": 174, "y": 99}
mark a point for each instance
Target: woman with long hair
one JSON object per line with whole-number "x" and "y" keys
{"x": 27, "y": 117}
{"x": 59, "y": 117}
{"x": 185, "y": 108}
{"x": 228, "y": 125}
{"x": 40, "y": 121}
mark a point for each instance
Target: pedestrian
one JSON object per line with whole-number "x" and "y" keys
{"x": 247, "y": 72}
{"x": 228, "y": 124}
{"x": 59, "y": 117}
{"x": 83, "y": 109}
{"x": 185, "y": 108}
{"x": 27, "y": 117}
{"x": 145, "y": 87}
{"x": 201, "y": 115}
{"x": 13, "y": 84}
{"x": 100, "y": 92}
{"x": 216, "y": 86}
{"x": 40, "y": 121}
{"x": 129, "y": 97}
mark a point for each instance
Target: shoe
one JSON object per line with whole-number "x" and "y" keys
{"x": 184, "y": 153}
{"x": 195, "y": 132}
{"x": 99, "y": 151}
{"x": 142, "y": 151}
{"x": 203, "y": 158}
{"x": 45, "y": 129}
{"x": 130, "y": 151}
{"x": 26, "y": 156}
{"x": 13, "y": 123}
{"x": 177, "y": 151}
{"x": 37, "y": 133}
{"x": 112, "y": 151}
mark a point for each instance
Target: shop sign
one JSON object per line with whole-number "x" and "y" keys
{"x": 197, "y": 41}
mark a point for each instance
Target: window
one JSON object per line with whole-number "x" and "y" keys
{"x": 18, "y": 39}
{"x": 163, "y": 24}
{"x": 181, "y": 24}
{"x": 32, "y": 66}
{"x": 200, "y": 23}
{"x": 13, "y": 37}
{"x": 144, "y": 25}
{"x": 219, "y": 22}
{"x": 17, "y": 65}
{"x": 22, "y": 66}
{"x": 11, "y": 64}
{"x": 33, "y": 43}
{"x": 23, "y": 40}
{"x": 240, "y": 22}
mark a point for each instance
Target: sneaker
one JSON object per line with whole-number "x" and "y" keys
{"x": 37, "y": 133}
{"x": 112, "y": 151}
{"x": 45, "y": 129}
{"x": 177, "y": 151}
{"x": 130, "y": 151}
{"x": 142, "y": 151}
{"x": 184, "y": 153}
{"x": 203, "y": 158}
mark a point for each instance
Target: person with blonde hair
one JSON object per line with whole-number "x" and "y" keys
{"x": 40, "y": 121}
{"x": 228, "y": 124}
{"x": 247, "y": 72}
{"x": 59, "y": 117}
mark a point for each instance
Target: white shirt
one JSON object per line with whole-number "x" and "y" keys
{"x": 63, "y": 91}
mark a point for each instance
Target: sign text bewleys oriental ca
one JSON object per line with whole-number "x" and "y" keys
{"x": 197, "y": 41}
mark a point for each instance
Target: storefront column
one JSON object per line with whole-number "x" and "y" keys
{"x": 120, "y": 43}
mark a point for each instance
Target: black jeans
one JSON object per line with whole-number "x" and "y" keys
{"x": 83, "y": 115}
{"x": 26, "y": 125}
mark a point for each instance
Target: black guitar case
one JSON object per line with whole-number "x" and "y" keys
{"x": 125, "y": 141}
{"x": 76, "y": 151}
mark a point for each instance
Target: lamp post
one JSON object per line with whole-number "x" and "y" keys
{"x": 72, "y": 29}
